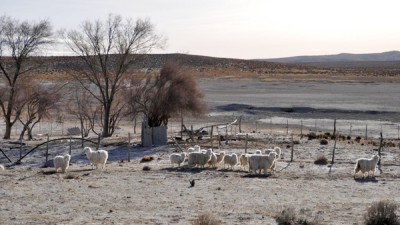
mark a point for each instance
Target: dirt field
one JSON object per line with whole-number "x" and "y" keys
{"x": 125, "y": 194}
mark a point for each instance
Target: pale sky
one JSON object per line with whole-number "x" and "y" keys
{"x": 239, "y": 28}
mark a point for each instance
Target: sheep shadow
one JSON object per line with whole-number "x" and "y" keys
{"x": 366, "y": 180}
{"x": 53, "y": 171}
{"x": 186, "y": 169}
{"x": 263, "y": 176}
{"x": 232, "y": 171}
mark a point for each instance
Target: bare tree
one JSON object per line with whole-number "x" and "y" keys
{"x": 85, "y": 110}
{"x": 107, "y": 49}
{"x": 38, "y": 102}
{"x": 18, "y": 41}
{"x": 173, "y": 93}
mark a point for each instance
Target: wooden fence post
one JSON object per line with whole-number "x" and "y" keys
{"x": 20, "y": 149}
{"x": 366, "y": 131}
{"x": 245, "y": 145}
{"x": 301, "y": 128}
{"x": 129, "y": 147}
{"x": 287, "y": 127}
{"x": 333, "y": 152}
{"x": 47, "y": 148}
{"x": 380, "y": 148}
{"x": 70, "y": 145}
{"x": 211, "y": 136}
{"x": 334, "y": 127}
{"x": 291, "y": 153}
{"x": 240, "y": 124}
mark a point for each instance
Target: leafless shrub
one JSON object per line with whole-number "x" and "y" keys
{"x": 382, "y": 212}
{"x": 323, "y": 142}
{"x": 146, "y": 168}
{"x": 321, "y": 160}
{"x": 206, "y": 219}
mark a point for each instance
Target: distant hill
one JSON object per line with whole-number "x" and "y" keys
{"x": 343, "y": 57}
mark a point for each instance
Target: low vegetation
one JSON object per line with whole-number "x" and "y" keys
{"x": 382, "y": 212}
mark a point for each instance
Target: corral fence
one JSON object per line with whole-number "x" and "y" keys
{"x": 218, "y": 131}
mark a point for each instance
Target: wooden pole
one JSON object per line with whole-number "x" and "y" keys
{"x": 334, "y": 146}
{"x": 366, "y": 131}
{"x": 315, "y": 126}
{"x": 380, "y": 148}
{"x": 398, "y": 132}
{"x": 291, "y": 154}
{"x": 333, "y": 152}
{"x": 211, "y": 136}
{"x": 287, "y": 127}
{"x": 129, "y": 147}
{"x": 240, "y": 124}
{"x": 70, "y": 145}
{"x": 20, "y": 149}
{"x": 351, "y": 126}
{"x": 334, "y": 127}
{"x": 245, "y": 145}
{"x": 47, "y": 148}
{"x": 226, "y": 134}
{"x": 301, "y": 128}
{"x": 191, "y": 135}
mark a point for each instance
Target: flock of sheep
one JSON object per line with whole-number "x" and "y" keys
{"x": 195, "y": 156}
{"x": 255, "y": 162}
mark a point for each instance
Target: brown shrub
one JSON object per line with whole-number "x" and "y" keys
{"x": 382, "y": 212}
{"x": 206, "y": 219}
{"x": 321, "y": 160}
{"x": 147, "y": 158}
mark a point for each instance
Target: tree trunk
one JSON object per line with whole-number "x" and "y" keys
{"x": 24, "y": 129}
{"x": 106, "y": 122}
{"x": 7, "y": 134}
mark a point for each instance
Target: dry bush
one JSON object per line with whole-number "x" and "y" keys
{"x": 288, "y": 216}
{"x": 147, "y": 158}
{"x": 206, "y": 219}
{"x": 321, "y": 160}
{"x": 323, "y": 142}
{"x": 382, "y": 212}
{"x": 146, "y": 168}
{"x": 311, "y": 136}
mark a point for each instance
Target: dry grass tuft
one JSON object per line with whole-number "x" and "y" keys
{"x": 206, "y": 219}
{"x": 288, "y": 216}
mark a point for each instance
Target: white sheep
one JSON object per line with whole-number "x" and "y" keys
{"x": 261, "y": 162}
{"x": 62, "y": 162}
{"x": 278, "y": 152}
{"x": 177, "y": 158}
{"x": 220, "y": 156}
{"x": 231, "y": 160}
{"x": 96, "y": 157}
{"x": 366, "y": 165}
{"x": 213, "y": 159}
{"x": 258, "y": 152}
{"x": 198, "y": 158}
{"x": 2, "y": 168}
{"x": 244, "y": 160}
{"x": 196, "y": 148}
